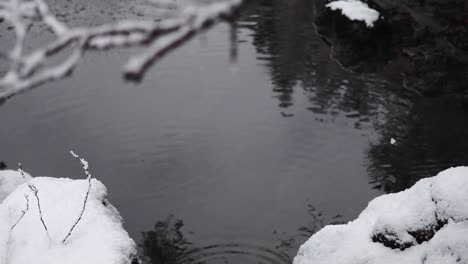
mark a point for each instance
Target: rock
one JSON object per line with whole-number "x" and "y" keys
{"x": 464, "y": 101}
{"x": 425, "y": 43}
{"x": 427, "y": 224}
{"x": 421, "y": 235}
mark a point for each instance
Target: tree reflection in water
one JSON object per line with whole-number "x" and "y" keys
{"x": 167, "y": 243}
{"x": 430, "y": 133}
{"x": 315, "y": 222}
{"x": 298, "y": 60}
{"x": 431, "y": 139}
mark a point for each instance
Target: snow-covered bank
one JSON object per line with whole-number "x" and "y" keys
{"x": 427, "y": 223}
{"x": 356, "y": 10}
{"x": 9, "y": 181}
{"x": 33, "y": 225}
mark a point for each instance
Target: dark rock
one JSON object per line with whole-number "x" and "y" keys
{"x": 426, "y": 234}
{"x": 391, "y": 240}
{"x": 424, "y": 43}
{"x": 360, "y": 48}
{"x": 464, "y": 101}
{"x": 135, "y": 260}
{"x": 3, "y": 165}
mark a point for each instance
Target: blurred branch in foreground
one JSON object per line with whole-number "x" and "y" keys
{"x": 30, "y": 69}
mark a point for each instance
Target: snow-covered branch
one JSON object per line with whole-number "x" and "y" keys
{"x": 28, "y": 70}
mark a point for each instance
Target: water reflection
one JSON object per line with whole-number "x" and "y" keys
{"x": 167, "y": 244}
{"x": 429, "y": 139}
{"x": 430, "y": 132}
{"x": 208, "y": 136}
{"x": 298, "y": 60}
{"x": 316, "y": 221}
{"x": 285, "y": 41}
{"x": 170, "y": 243}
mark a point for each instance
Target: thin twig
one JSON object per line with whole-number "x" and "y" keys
{"x": 84, "y": 163}
{"x": 21, "y": 171}
{"x": 23, "y": 212}
{"x": 36, "y": 191}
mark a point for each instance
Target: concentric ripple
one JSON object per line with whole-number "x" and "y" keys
{"x": 257, "y": 254}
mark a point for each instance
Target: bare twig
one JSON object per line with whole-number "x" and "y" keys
{"x": 21, "y": 171}
{"x": 27, "y": 70}
{"x": 35, "y": 192}
{"x": 85, "y": 165}
{"x": 23, "y": 212}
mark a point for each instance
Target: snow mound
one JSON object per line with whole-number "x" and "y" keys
{"x": 356, "y": 10}
{"x": 9, "y": 180}
{"x": 426, "y": 224}
{"x": 97, "y": 238}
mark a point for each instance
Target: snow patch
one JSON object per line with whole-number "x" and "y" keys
{"x": 98, "y": 237}
{"x": 356, "y": 10}
{"x": 427, "y": 223}
{"x": 10, "y": 180}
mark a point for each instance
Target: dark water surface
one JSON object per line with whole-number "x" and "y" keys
{"x": 214, "y": 162}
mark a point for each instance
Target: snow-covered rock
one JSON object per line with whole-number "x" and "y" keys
{"x": 97, "y": 238}
{"x": 425, "y": 224}
{"x": 355, "y": 10}
{"x": 9, "y": 180}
